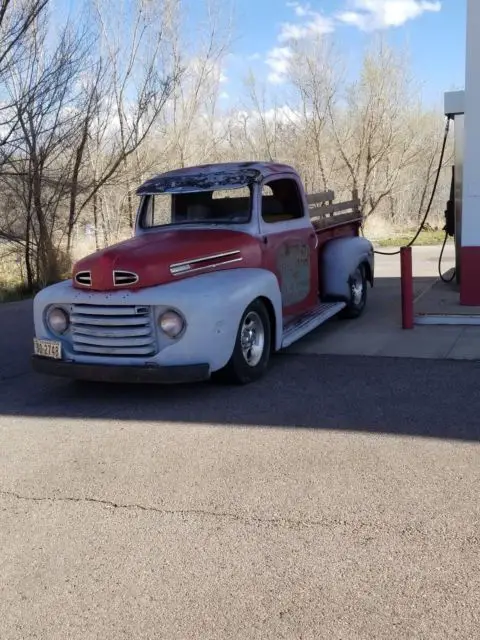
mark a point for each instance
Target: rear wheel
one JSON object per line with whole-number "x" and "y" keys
{"x": 251, "y": 353}
{"x": 358, "y": 293}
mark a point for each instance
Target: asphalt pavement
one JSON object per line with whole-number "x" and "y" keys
{"x": 336, "y": 498}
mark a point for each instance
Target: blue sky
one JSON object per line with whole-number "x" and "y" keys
{"x": 432, "y": 31}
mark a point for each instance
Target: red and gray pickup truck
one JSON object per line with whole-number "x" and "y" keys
{"x": 229, "y": 263}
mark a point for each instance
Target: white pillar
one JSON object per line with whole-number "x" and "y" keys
{"x": 470, "y": 237}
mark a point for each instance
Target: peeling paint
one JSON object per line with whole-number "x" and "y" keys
{"x": 213, "y": 176}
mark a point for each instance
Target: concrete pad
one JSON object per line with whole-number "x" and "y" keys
{"x": 467, "y": 347}
{"x": 422, "y": 342}
{"x": 440, "y": 305}
{"x": 442, "y": 298}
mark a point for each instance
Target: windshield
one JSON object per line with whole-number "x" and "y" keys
{"x": 223, "y": 206}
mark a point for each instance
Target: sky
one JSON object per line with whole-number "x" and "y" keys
{"x": 431, "y": 31}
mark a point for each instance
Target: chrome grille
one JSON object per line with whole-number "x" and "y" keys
{"x": 124, "y": 278}
{"x": 112, "y": 330}
{"x": 84, "y": 278}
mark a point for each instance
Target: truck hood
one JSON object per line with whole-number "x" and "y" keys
{"x": 164, "y": 256}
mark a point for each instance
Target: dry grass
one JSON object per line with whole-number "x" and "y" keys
{"x": 83, "y": 247}
{"x": 12, "y": 268}
{"x": 11, "y": 274}
{"x": 383, "y": 234}
{"x": 429, "y": 237}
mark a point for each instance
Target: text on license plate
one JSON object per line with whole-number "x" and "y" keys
{"x": 47, "y": 348}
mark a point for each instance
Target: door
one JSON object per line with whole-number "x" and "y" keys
{"x": 290, "y": 244}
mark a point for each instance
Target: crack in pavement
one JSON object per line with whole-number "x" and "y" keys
{"x": 280, "y": 522}
{"x": 368, "y": 529}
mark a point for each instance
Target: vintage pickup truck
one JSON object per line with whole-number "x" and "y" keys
{"x": 229, "y": 263}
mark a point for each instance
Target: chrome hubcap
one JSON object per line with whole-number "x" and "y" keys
{"x": 252, "y": 338}
{"x": 357, "y": 288}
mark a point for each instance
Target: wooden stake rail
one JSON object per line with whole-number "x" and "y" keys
{"x": 324, "y": 212}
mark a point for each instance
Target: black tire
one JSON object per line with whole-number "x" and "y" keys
{"x": 241, "y": 369}
{"x": 358, "y": 293}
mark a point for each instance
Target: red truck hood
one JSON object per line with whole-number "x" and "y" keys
{"x": 164, "y": 256}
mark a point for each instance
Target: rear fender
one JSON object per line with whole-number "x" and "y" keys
{"x": 340, "y": 258}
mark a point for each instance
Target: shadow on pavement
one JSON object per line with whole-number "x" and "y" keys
{"x": 423, "y": 398}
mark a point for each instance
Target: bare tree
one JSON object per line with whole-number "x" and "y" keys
{"x": 16, "y": 19}
{"x": 371, "y": 133}
{"x": 265, "y": 120}
{"x": 194, "y": 99}
{"x": 42, "y": 91}
{"x": 315, "y": 75}
{"x": 139, "y": 87}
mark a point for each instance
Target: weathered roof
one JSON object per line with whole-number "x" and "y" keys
{"x": 211, "y": 176}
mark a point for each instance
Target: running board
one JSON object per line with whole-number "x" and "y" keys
{"x": 305, "y": 323}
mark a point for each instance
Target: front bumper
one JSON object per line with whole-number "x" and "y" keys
{"x": 118, "y": 373}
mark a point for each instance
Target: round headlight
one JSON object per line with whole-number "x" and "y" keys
{"x": 171, "y": 323}
{"x": 57, "y": 320}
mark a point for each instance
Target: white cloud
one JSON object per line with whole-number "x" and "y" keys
{"x": 315, "y": 24}
{"x": 369, "y": 15}
{"x": 300, "y": 10}
{"x": 278, "y": 59}
{"x": 366, "y": 15}
{"x": 312, "y": 24}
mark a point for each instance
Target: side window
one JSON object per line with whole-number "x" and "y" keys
{"x": 281, "y": 201}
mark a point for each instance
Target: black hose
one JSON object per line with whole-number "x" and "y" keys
{"x": 442, "y": 277}
{"x": 427, "y": 212}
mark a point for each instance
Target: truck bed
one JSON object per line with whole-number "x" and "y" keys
{"x": 334, "y": 219}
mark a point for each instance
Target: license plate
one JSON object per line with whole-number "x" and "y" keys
{"x": 47, "y": 348}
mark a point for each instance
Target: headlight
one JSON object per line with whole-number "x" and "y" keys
{"x": 171, "y": 323}
{"x": 57, "y": 320}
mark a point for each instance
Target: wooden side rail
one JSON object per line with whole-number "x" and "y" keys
{"x": 319, "y": 199}
{"x": 321, "y": 204}
{"x": 326, "y": 213}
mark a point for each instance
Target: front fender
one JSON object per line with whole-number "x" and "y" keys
{"x": 340, "y": 258}
{"x": 212, "y": 304}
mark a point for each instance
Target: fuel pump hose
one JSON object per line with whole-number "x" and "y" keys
{"x": 427, "y": 212}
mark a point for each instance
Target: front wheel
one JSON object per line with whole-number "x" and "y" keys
{"x": 358, "y": 293}
{"x": 251, "y": 353}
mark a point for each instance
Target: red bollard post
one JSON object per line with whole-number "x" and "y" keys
{"x": 406, "y": 276}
